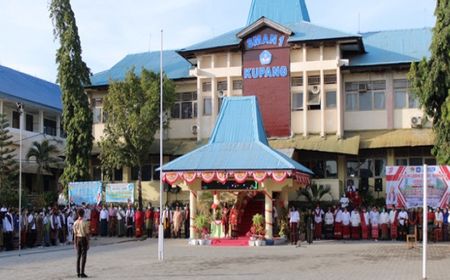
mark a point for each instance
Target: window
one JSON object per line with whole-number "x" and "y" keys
{"x": 330, "y": 79}
{"x": 297, "y": 101}
{"x": 222, "y": 85}
{"x": 366, "y": 168}
{"x": 97, "y": 110}
{"x": 15, "y": 119}
{"x": 206, "y": 87}
{"x": 313, "y": 98}
{"x": 118, "y": 175}
{"x": 331, "y": 99}
{"x": 365, "y": 96}
{"x": 401, "y": 161}
{"x": 185, "y": 106}
{"x": 50, "y": 127}
{"x": 29, "y": 122}
{"x": 403, "y": 97}
{"x": 146, "y": 173}
{"x": 313, "y": 80}
{"x": 207, "y": 106}
{"x": 97, "y": 173}
{"x": 296, "y": 81}
{"x": 415, "y": 161}
{"x": 322, "y": 168}
{"x": 237, "y": 84}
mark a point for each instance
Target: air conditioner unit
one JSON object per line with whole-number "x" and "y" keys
{"x": 362, "y": 87}
{"x": 315, "y": 89}
{"x": 221, "y": 94}
{"x": 416, "y": 122}
{"x": 194, "y": 129}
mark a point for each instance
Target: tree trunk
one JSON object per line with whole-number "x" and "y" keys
{"x": 140, "y": 187}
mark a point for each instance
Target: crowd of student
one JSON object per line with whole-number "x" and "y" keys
{"x": 53, "y": 226}
{"x": 367, "y": 223}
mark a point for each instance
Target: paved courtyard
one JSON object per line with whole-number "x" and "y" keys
{"x": 321, "y": 260}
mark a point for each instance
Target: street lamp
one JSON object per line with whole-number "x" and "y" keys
{"x": 19, "y": 106}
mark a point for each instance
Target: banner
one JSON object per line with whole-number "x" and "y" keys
{"x": 404, "y": 186}
{"x": 87, "y": 192}
{"x": 119, "y": 193}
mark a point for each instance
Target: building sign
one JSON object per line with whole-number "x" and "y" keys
{"x": 119, "y": 193}
{"x": 87, "y": 192}
{"x": 230, "y": 186}
{"x": 266, "y": 72}
{"x": 404, "y": 186}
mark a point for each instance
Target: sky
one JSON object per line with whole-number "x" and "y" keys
{"x": 111, "y": 29}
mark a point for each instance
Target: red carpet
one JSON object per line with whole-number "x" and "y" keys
{"x": 240, "y": 242}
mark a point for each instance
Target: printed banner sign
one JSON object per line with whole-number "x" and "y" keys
{"x": 119, "y": 193}
{"x": 87, "y": 192}
{"x": 404, "y": 186}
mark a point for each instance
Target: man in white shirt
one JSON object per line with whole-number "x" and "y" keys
{"x": 338, "y": 224}
{"x": 104, "y": 217}
{"x": 318, "y": 219}
{"x": 346, "y": 224}
{"x": 403, "y": 224}
{"x": 355, "y": 220}
{"x": 294, "y": 219}
{"x": 329, "y": 221}
{"x": 31, "y": 230}
{"x": 384, "y": 222}
{"x": 8, "y": 229}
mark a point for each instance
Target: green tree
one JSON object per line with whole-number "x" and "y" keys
{"x": 73, "y": 75}
{"x": 42, "y": 154}
{"x": 133, "y": 109}
{"x": 314, "y": 193}
{"x": 431, "y": 82}
{"x": 8, "y": 166}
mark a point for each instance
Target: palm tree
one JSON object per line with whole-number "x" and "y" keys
{"x": 314, "y": 194}
{"x": 42, "y": 153}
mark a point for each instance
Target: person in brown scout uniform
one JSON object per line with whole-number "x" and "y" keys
{"x": 81, "y": 235}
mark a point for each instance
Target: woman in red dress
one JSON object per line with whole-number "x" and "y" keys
{"x": 234, "y": 217}
{"x": 225, "y": 219}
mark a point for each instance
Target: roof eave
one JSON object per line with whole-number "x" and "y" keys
{"x": 261, "y": 22}
{"x": 187, "y": 54}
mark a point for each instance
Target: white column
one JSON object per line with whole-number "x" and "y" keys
{"x": 41, "y": 121}
{"x": 339, "y": 100}
{"x": 193, "y": 213}
{"x": 229, "y": 85}
{"x": 322, "y": 101}
{"x": 58, "y": 125}
{"x": 199, "y": 108}
{"x": 1, "y": 106}
{"x": 269, "y": 214}
{"x": 305, "y": 96}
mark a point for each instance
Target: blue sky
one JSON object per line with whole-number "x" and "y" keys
{"x": 111, "y": 29}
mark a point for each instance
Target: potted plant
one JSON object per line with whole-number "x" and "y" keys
{"x": 258, "y": 231}
{"x": 202, "y": 224}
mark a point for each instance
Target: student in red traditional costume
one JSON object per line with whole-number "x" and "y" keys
{"x": 384, "y": 224}
{"x": 338, "y": 224}
{"x": 139, "y": 222}
{"x": 374, "y": 223}
{"x": 402, "y": 224}
{"x": 318, "y": 219}
{"x": 226, "y": 220}
{"x": 156, "y": 219}
{"x": 234, "y": 217}
{"x": 112, "y": 221}
{"x": 294, "y": 219}
{"x": 355, "y": 220}
{"x": 329, "y": 221}
{"x": 393, "y": 218}
{"x": 149, "y": 221}
{"x": 177, "y": 222}
{"x": 365, "y": 224}
{"x": 346, "y": 224}
{"x": 94, "y": 219}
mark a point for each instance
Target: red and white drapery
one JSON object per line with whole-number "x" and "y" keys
{"x": 237, "y": 176}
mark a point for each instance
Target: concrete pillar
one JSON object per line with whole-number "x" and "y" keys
{"x": 1, "y": 106}
{"x": 41, "y": 122}
{"x": 305, "y": 96}
{"x": 322, "y": 99}
{"x": 342, "y": 172}
{"x": 339, "y": 96}
{"x": 193, "y": 213}
{"x": 269, "y": 214}
{"x": 229, "y": 86}
{"x": 199, "y": 108}
{"x": 214, "y": 102}
{"x": 58, "y": 125}
{"x": 389, "y": 99}
{"x": 285, "y": 197}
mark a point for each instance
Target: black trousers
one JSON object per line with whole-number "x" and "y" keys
{"x": 8, "y": 240}
{"x": 82, "y": 248}
{"x": 31, "y": 240}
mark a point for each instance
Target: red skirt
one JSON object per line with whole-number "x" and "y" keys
{"x": 375, "y": 231}
{"x": 365, "y": 232}
{"x": 338, "y": 230}
{"x": 384, "y": 231}
{"x": 355, "y": 233}
{"x": 318, "y": 230}
{"x": 394, "y": 233}
{"x": 346, "y": 232}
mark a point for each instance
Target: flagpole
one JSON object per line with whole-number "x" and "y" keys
{"x": 160, "y": 229}
{"x": 425, "y": 223}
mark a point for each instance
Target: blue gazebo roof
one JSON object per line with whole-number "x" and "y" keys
{"x": 238, "y": 142}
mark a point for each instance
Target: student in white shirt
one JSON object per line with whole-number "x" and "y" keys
{"x": 294, "y": 219}
{"x": 329, "y": 222}
{"x": 355, "y": 220}
{"x": 346, "y": 224}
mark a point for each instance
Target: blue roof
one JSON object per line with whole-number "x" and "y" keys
{"x": 301, "y": 31}
{"x": 238, "y": 142}
{"x": 21, "y": 86}
{"x": 175, "y": 66}
{"x": 283, "y": 12}
{"x": 394, "y": 47}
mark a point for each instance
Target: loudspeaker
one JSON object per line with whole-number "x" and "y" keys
{"x": 378, "y": 184}
{"x": 364, "y": 184}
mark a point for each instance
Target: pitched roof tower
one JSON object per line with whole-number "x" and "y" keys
{"x": 283, "y": 12}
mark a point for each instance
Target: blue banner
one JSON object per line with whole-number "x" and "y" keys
{"x": 119, "y": 193}
{"x": 87, "y": 192}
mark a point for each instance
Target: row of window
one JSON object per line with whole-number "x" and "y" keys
{"x": 222, "y": 85}
{"x": 49, "y": 125}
